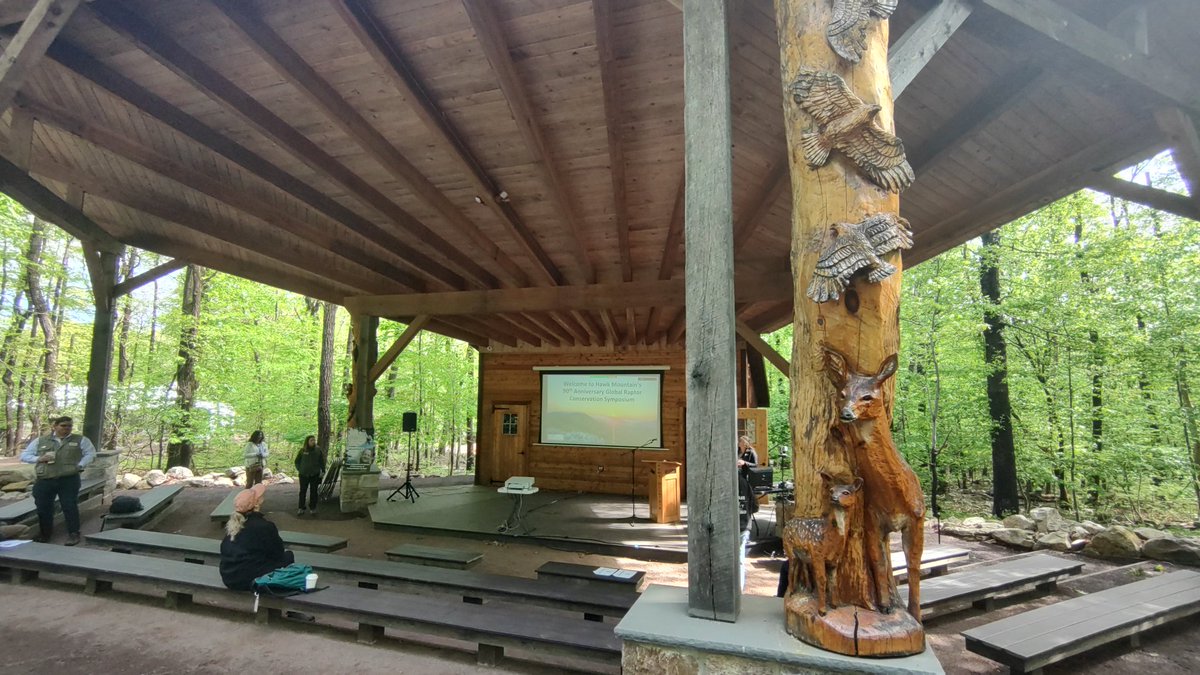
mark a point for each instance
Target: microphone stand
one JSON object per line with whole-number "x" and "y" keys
{"x": 633, "y": 479}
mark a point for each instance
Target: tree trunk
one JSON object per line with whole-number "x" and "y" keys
{"x": 1005, "y": 491}
{"x": 181, "y": 448}
{"x": 325, "y": 388}
{"x": 45, "y": 319}
{"x": 124, "y": 367}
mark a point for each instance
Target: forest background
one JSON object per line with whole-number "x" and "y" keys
{"x": 1049, "y": 361}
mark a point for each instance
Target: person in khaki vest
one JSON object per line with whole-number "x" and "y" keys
{"x": 58, "y": 459}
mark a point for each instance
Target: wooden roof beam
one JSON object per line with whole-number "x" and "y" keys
{"x": 1036, "y": 190}
{"x": 755, "y": 342}
{"x": 48, "y": 206}
{"x": 490, "y": 34}
{"x": 153, "y": 274}
{"x": 1064, "y": 27}
{"x": 156, "y": 43}
{"x": 614, "y": 120}
{"x": 672, "y": 247}
{"x": 1145, "y": 195}
{"x": 1181, "y": 131}
{"x": 158, "y": 109}
{"x": 127, "y": 148}
{"x": 41, "y": 25}
{"x": 293, "y": 69}
{"x": 762, "y": 285}
{"x": 370, "y": 35}
{"x": 415, "y": 326}
{"x": 913, "y": 50}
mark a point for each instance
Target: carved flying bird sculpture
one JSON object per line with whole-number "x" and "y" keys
{"x": 847, "y": 124}
{"x": 847, "y": 31}
{"x": 857, "y": 246}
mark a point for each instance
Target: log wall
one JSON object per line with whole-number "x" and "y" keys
{"x": 511, "y": 378}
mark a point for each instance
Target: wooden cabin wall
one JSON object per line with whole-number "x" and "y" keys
{"x": 510, "y": 378}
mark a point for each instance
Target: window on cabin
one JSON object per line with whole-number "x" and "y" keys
{"x": 508, "y": 426}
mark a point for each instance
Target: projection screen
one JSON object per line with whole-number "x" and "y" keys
{"x": 621, "y": 409}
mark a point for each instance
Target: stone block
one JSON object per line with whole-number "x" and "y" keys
{"x": 1114, "y": 543}
{"x": 1014, "y": 537}
{"x": 1173, "y": 549}
{"x": 1020, "y": 522}
{"x": 1148, "y": 533}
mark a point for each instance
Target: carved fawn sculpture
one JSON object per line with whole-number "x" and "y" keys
{"x": 893, "y": 500}
{"x": 814, "y": 545}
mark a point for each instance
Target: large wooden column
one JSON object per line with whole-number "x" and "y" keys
{"x": 362, "y": 389}
{"x": 714, "y": 590}
{"x": 103, "y": 268}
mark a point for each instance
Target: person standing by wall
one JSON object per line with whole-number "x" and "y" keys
{"x": 58, "y": 459}
{"x": 310, "y": 466}
{"x": 255, "y": 454}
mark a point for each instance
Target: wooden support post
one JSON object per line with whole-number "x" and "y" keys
{"x": 157, "y": 272}
{"x": 713, "y": 537}
{"x": 362, "y": 389}
{"x": 369, "y": 634}
{"x": 489, "y": 655}
{"x": 755, "y": 342}
{"x": 398, "y": 346}
{"x": 103, "y": 268}
{"x": 28, "y": 46}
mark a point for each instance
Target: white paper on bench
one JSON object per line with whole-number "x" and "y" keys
{"x": 624, "y": 574}
{"x": 604, "y": 571}
{"x": 13, "y": 543}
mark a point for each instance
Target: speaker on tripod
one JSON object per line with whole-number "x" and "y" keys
{"x": 406, "y": 490}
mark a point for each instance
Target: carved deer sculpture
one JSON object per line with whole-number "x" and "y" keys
{"x": 893, "y": 501}
{"x": 814, "y": 545}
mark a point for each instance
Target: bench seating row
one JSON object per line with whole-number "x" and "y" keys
{"x": 24, "y": 511}
{"x": 492, "y": 628}
{"x": 154, "y": 503}
{"x": 472, "y": 587}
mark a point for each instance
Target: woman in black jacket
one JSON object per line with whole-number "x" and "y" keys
{"x": 310, "y": 466}
{"x": 251, "y": 546}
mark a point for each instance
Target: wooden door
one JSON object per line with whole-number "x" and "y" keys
{"x": 510, "y": 434}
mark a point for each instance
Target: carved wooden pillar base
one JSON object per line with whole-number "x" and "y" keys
{"x": 853, "y": 630}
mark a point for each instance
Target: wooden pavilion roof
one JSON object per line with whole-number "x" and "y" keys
{"x": 530, "y": 151}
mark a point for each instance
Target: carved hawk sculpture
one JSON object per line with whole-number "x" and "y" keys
{"x": 857, "y": 246}
{"x": 847, "y": 31}
{"x": 847, "y": 124}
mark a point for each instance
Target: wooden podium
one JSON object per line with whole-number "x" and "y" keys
{"x": 663, "y": 490}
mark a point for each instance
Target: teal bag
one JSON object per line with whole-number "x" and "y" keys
{"x": 284, "y": 581}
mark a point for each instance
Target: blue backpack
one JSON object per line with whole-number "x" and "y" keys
{"x": 284, "y": 581}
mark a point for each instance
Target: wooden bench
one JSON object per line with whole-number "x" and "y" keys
{"x": 982, "y": 585}
{"x": 935, "y": 560}
{"x": 630, "y": 581}
{"x": 225, "y": 509}
{"x": 472, "y": 587}
{"x": 191, "y": 549}
{"x": 24, "y": 511}
{"x": 492, "y": 628}
{"x": 1029, "y": 641}
{"x": 429, "y": 555}
{"x": 154, "y": 503}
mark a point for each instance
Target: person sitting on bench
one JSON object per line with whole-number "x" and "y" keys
{"x": 251, "y": 546}
{"x": 59, "y": 458}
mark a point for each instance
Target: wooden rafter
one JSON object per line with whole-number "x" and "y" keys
{"x": 41, "y": 25}
{"x": 270, "y": 244}
{"x": 154, "y": 273}
{"x": 1063, "y": 26}
{"x": 765, "y": 284}
{"x": 490, "y": 34}
{"x": 183, "y": 63}
{"x": 614, "y": 122}
{"x": 50, "y": 207}
{"x": 1181, "y": 131}
{"x": 385, "y": 361}
{"x": 916, "y": 47}
{"x": 293, "y": 69}
{"x": 127, "y": 148}
{"x": 1036, "y": 189}
{"x": 1145, "y": 195}
{"x": 755, "y": 342}
{"x": 672, "y": 246}
{"x": 370, "y": 35}
{"x": 20, "y": 138}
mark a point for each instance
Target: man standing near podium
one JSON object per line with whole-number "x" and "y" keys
{"x": 59, "y": 458}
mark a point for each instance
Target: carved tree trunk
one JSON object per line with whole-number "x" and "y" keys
{"x": 862, "y": 324}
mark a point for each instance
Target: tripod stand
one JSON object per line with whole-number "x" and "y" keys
{"x": 406, "y": 490}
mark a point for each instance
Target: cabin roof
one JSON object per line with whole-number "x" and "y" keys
{"x": 345, "y": 148}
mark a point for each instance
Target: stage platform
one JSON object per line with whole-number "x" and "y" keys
{"x": 590, "y": 523}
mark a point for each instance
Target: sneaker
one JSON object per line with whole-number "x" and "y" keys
{"x": 312, "y": 512}
{"x": 299, "y": 512}
{"x": 72, "y": 539}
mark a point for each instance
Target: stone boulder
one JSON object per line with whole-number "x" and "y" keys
{"x": 240, "y": 481}
{"x": 156, "y": 477}
{"x": 974, "y": 521}
{"x": 1173, "y": 549}
{"x": 235, "y": 471}
{"x": 1015, "y": 537}
{"x": 284, "y": 480}
{"x": 223, "y": 481}
{"x": 200, "y": 482}
{"x": 180, "y": 473}
{"x": 17, "y": 473}
{"x": 142, "y": 485}
{"x": 1055, "y": 541}
{"x": 1114, "y": 543}
{"x": 1047, "y": 518}
{"x": 1019, "y": 522}
{"x": 973, "y": 533}
{"x": 1080, "y": 532}
{"x": 128, "y": 481}
{"x": 267, "y": 473}
{"x": 1148, "y": 533}
{"x": 1092, "y": 528}
{"x": 17, "y": 486}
